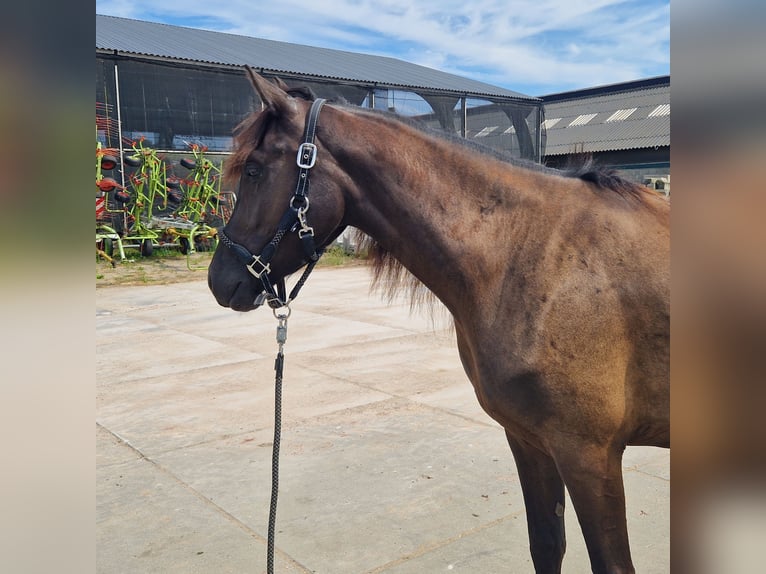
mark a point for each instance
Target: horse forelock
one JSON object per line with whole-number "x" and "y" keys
{"x": 248, "y": 135}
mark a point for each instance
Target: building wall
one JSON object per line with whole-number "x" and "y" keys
{"x": 624, "y": 126}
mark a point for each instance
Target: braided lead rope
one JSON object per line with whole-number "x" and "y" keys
{"x": 279, "y": 364}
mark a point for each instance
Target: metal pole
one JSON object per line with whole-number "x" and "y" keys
{"x": 464, "y": 109}
{"x": 119, "y": 121}
{"x": 540, "y": 134}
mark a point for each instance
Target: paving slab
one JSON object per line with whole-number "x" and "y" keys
{"x": 388, "y": 464}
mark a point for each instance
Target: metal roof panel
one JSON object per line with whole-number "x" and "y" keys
{"x": 123, "y": 35}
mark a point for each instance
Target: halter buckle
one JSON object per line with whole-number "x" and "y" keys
{"x": 265, "y": 267}
{"x": 307, "y": 155}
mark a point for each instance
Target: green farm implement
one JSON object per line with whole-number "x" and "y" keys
{"x": 202, "y": 205}
{"x": 106, "y": 234}
{"x": 156, "y": 208}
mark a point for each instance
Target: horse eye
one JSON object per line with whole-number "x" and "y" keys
{"x": 253, "y": 170}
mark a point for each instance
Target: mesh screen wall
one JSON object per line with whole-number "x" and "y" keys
{"x": 172, "y": 106}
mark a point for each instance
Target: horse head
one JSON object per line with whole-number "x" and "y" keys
{"x": 277, "y": 226}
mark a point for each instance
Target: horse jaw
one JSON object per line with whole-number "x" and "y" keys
{"x": 272, "y": 94}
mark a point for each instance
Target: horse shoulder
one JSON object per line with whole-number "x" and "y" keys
{"x": 575, "y": 320}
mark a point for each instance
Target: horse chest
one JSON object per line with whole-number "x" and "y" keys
{"x": 508, "y": 389}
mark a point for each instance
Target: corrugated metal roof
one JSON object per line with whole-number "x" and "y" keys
{"x": 137, "y": 37}
{"x": 608, "y": 130}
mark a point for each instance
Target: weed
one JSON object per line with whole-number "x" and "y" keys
{"x": 336, "y": 256}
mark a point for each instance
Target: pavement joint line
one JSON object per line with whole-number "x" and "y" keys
{"x": 123, "y": 440}
{"x": 371, "y": 387}
{"x": 220, "y": 510}
{"x": 488, "y": 423}
{"x": 423, "y": 550}
{"x": 635, "y": 468}
{"x": 406, "y": 334}
{"x": 222, "y": 437}
{"x": 191, "y": 370}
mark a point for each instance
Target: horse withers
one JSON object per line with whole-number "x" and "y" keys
{"x": 558, "y": 284}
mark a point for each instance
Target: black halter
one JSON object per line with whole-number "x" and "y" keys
{"x": 293, "y": 219}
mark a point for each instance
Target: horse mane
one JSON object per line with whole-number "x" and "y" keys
{"x": 606, "y": 178}
{"x": 586, "y": 168}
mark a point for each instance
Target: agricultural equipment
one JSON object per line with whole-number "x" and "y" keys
{"x": 149, "y": 191}
{"x": 156, "y": 208}
{"x": 106, "y": 234}
{"x": 202, "y": 206}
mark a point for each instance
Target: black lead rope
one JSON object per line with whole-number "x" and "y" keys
{"x": 279, "y": 364}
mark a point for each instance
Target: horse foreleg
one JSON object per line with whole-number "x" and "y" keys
{"x": 543, "y": 492}
{"x": 593, "y": 477}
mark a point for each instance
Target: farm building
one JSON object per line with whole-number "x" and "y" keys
{"x": 175, "y": 86}
{"x": 625, "y": 126}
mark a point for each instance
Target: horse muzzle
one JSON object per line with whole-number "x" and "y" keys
{"x": 231, "y": 287}
{"x": 241, "y": 298}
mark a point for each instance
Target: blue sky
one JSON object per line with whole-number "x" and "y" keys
{"x": 534, "y": 47}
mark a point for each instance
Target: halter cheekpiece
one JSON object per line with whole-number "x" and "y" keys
{"x": 294, "y": 219}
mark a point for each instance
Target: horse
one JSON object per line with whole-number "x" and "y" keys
{"x": 558, "y": 284}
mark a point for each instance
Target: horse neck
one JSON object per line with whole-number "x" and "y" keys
{"x": 439, "y": 209}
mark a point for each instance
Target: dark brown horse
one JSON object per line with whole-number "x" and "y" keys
{"x": 558, "y": 285}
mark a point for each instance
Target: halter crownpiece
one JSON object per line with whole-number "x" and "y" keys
{"x": 294, "y": 219}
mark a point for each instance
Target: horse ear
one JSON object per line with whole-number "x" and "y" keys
{"x": 273, "y": 95}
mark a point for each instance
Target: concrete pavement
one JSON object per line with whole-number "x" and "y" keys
{"x": 388, "y": 463}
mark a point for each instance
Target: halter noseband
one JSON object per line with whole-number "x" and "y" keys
{"x": 293, "y": 219}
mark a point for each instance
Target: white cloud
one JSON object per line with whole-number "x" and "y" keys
{"x": 545, "y": 45}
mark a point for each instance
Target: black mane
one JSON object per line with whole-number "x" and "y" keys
{"x": 605, "y": 177}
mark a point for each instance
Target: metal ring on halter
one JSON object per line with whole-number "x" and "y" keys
{"x": 301, "y": 208}
{"x": 281, "y": 315}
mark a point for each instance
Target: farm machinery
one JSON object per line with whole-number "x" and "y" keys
{"x": 201, "y": 205}
{"x": 157, "y": 208}
{"x": 106, "y": 234}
